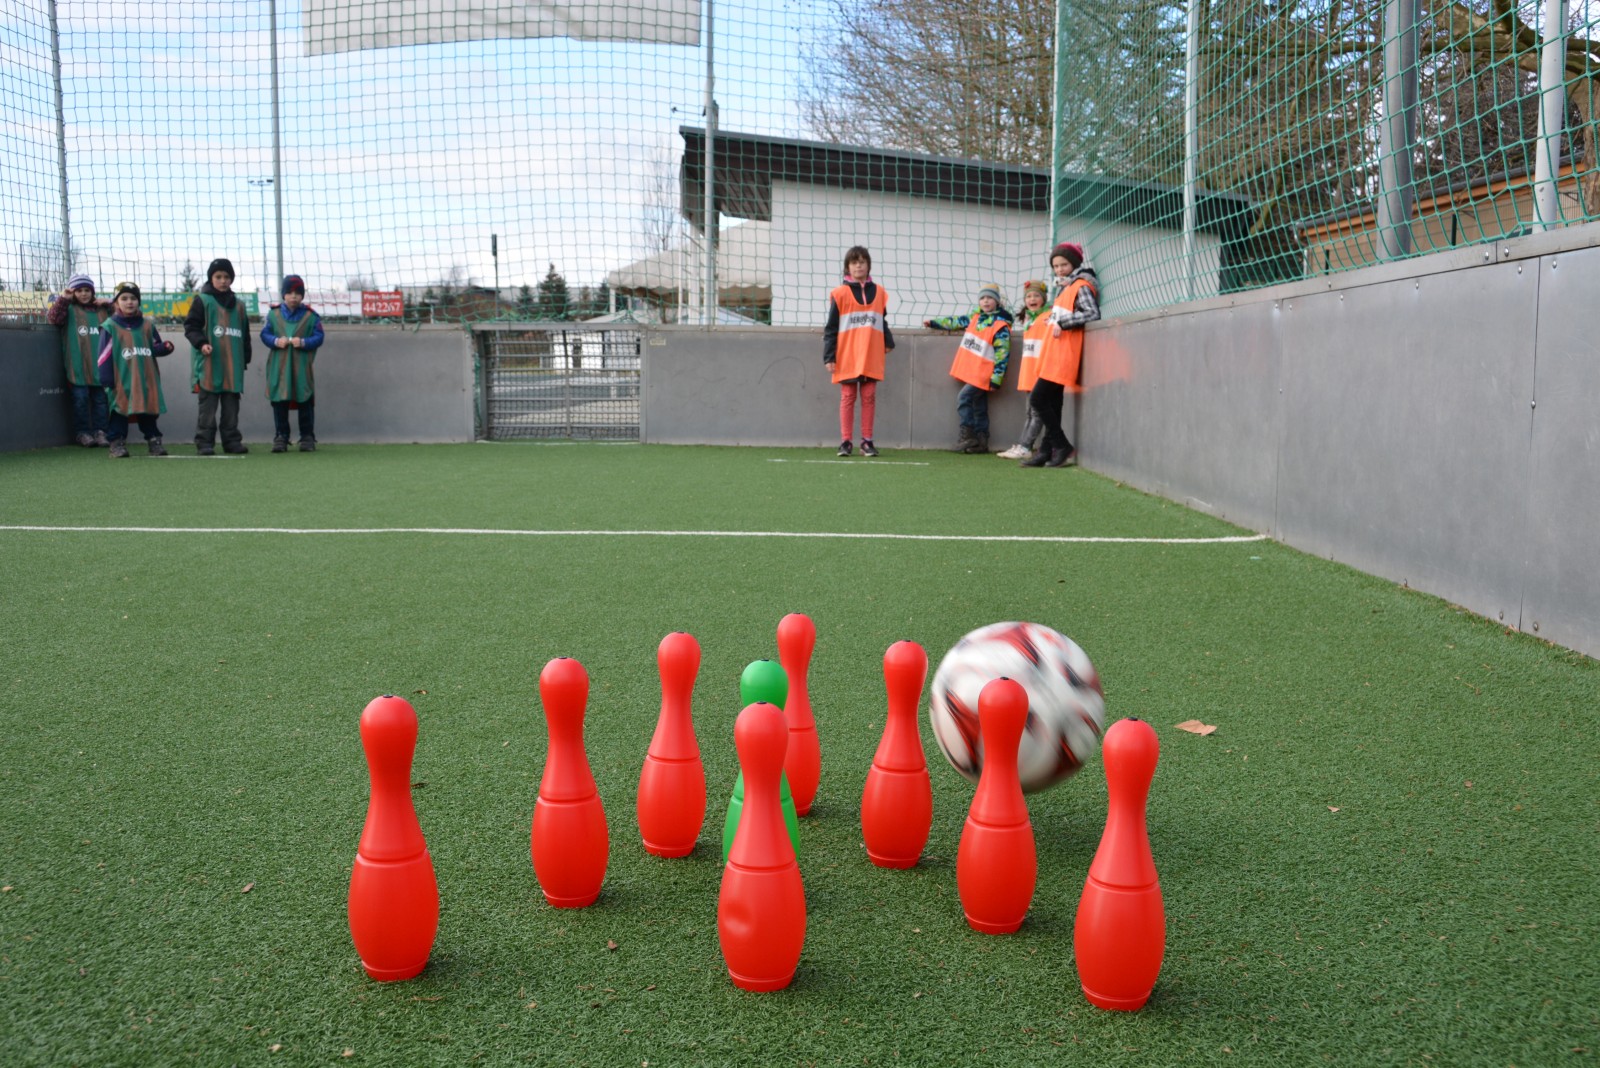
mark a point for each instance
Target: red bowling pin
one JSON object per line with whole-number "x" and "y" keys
{"x": 672, "y": 786}
{"x": 394, "y": 898}
{"x": 761, "y": 910}
{"x": 802, "y": 763}
{"x": 570, "y": 841}
{"x": 897, "y": 804}
{"x": 996, "y": 863}
{"x": 1121, "y": 932}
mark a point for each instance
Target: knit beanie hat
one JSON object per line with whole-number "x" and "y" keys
{"x": 127, "y": 287}
{"x": 293, "y": 283}
{"x": 990, "y": 289}
{"x": 79, "y": 281}
{"x": 1033, "y": 285}
{"x": 220, "y": 264}
{"x": 1073, "y": 253}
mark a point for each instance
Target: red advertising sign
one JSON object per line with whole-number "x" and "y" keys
{"x": 382, "y": 304}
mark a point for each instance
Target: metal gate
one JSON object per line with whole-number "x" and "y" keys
{"x": 549, "y": 380}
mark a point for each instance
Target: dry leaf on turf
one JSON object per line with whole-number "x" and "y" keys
{"x": 610, "y": 944}
{"x": 1194, "y": 726}
{"x": 247, "y": 888}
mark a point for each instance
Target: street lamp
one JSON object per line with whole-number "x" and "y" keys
{"x": 263, "y": 184}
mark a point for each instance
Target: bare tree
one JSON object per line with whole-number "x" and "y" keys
{"x": 946, "y": 77}
{"x": 359, "y": 282}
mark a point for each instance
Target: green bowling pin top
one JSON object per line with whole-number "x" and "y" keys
{"x": 763, "y": 680}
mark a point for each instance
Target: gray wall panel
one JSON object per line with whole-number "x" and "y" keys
{"x": 374, "y": 384}
{"x": 769, "y": 387}
{"x": 1187, "y": 407}
{"x": 1562, "y": 545}
{"x": 33, "y": 388}
{"x": 1406, "y": 405}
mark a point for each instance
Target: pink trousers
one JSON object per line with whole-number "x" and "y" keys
{"x": 868, "y": 388}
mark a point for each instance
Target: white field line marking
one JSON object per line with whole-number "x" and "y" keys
{"x": 853, "y": 463}
{"x": 1062, "y": 540}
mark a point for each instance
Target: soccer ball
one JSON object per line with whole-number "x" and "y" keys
{"x": 1066, "y": 708}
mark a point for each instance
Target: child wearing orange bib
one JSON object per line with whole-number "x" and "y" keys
{"x": 1035, "y": 329}
{"x": 1061, "y": 362}
{"x": 979, "y": 365}
{"x": 854, "y": 341}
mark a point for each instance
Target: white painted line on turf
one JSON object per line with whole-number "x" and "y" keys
{"x": 490, "y": 531}
{"x": 853, "y": 463}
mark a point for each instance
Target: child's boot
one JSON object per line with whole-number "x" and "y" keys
{"x": 119, "y": 449}
{"x": 978, "y": 444}
{"x": 280, "y": 444}
{"x": 963, "y": 440}
{"x": 308, "y": 444}
{"x": 156, "y": 448}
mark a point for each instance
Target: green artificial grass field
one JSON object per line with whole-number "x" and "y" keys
{"x": 1385, "y": 854}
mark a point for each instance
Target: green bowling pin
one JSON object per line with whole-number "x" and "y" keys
{"x": 763, "y": 680}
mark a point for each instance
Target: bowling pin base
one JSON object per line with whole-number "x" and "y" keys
{"x": 572, "y": 902}
{"x": 744, "y": 982}
{"x": 898, "y": 863}
{"x": 668, "y": 850}
{"x": 985, "y": 927}
{"x": 393, "y": 975}
{"x": 1116, "y": 1004}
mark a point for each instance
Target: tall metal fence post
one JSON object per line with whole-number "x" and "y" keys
{"x": 1552, "y": 115}
{"x": 711, "y": 198}
{"x": 1397, "y": 133}
{"x": 277, "y": 149}
{"x": 61, "y": 149}
{"x": 1191, "y": 140}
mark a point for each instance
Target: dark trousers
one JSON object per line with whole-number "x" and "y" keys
{"x": 205, "y": 432}
{"x": 308, "y": 420}
{"x": 1046, "y": 399}
{"x": 972, "y": 408}
{"x": 89, "y": 409}
{"x": 118, "y": 428}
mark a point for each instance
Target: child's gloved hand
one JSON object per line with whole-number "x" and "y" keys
{"x": 165, "y": 348}
{"x": 995, "y": 380}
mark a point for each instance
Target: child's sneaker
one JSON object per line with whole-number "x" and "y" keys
{"x": 308, "y": 444}
{"x": 868, "y": 448}
{"x": 85, "y": 440}
{"x": 1016, "y": 452}
{"x": 280, "y": 444}
{"x": 100, "y": 441}
{"x": 845, "y": 448}
{"x": 119, "y": 450}
{"x": 238, "y": 448}
{"x": 156, "y": 448}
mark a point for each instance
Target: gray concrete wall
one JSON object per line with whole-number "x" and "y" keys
{"x": 769, "y": 387}
{"x": 374, "y": 384}
{"x": 1433, "y": 422}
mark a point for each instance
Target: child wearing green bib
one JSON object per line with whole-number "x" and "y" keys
{"x": 79, "y": 316}
{"x": 292, "y": 334}
{"x": 129, "y": 346}
{"x": 218, "y": 329}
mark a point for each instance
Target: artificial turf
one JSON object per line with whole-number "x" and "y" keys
{"x": 1385, "y": 854}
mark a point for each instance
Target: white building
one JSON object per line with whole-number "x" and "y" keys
{"x": 937, "y": 229}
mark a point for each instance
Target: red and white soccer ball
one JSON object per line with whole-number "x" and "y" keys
{"x": 1066, "y": 708}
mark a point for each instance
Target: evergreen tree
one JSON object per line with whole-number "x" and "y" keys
{"x": 527, "y": 305}
{"x": 188, "y": 278}
{"x": 554, "y": 301}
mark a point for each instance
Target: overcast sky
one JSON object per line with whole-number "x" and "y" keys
{"x": 398, "y": 163}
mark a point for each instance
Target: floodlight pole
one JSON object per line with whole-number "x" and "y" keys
{"x": 61, "y": 150}
{"x": 1552, "y": 115}
{"x": 263, "y": 184}
{"x": 1055, "y": 120}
